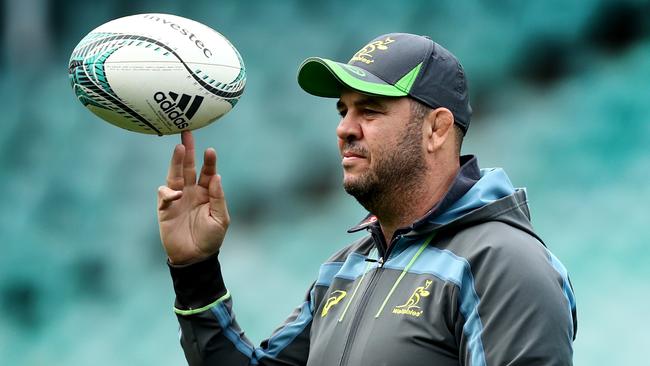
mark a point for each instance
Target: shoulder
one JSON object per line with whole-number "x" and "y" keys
{"x": 510, "y": 268}
{"x": 515, "y": 295}
{"x": 495, "y": 243}
{"x": 503, "y": 259}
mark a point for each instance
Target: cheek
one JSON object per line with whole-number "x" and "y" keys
{"x": 384, "y": 145}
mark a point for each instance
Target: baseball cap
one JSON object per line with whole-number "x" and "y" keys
{"x": 395, "y": 65}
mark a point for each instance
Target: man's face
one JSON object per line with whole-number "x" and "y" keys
{"x": 380, "y": 145}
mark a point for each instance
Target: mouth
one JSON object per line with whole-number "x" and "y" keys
{"x": 351, "y": 155}
{"x": 351, "y": 159}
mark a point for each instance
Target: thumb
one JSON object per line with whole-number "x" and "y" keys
{"x": 166, "y": 196}
{"x": 218, "y": 208}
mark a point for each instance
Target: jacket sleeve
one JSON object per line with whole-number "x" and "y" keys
{"x": 516, "y": 304}
{"x": 209, "y": 333}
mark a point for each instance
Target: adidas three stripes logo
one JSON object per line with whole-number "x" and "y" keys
{"x": 184, "y": 100}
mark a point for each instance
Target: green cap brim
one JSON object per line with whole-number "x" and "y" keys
{"x": 326, "y": 78}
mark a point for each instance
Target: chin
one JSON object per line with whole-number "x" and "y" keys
{"x": 350, "y": 180}
{"x": 353, "y": 183}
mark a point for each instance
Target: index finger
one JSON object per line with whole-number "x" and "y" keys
{"x": 189, "y": 170}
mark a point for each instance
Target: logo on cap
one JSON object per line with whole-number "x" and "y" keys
{"x": 365, "y": 54}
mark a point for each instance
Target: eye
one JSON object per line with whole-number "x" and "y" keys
{"x": 370, "y": 112}
{"x": 343, "y": 112}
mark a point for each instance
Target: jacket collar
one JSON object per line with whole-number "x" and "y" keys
{"x": 468, "y": 174}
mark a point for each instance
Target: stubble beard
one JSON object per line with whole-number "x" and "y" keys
{"x": 395, "y": 176}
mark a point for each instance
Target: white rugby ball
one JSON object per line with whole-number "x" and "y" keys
{"x": 157, "y": 73}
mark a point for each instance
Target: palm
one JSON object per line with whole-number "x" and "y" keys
{"x": 184, "y": 228}
{"x": 192, "y": 216}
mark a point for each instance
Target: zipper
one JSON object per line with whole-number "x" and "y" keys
{"x": 367, "y": 292}
{"x": 372, "y": 283}
{"x": 378, "y": 236}
{"x": 384, "y": 252}
{"x": 392, "y": 245}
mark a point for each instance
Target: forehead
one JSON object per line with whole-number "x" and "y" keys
{"x": 350, "y": 98}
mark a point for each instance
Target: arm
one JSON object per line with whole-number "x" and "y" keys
{"x": 210, "y": 334}
{"x": 193, "y": 220}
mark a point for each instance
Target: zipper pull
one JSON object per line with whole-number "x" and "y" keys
{"x": 380, "y": 261}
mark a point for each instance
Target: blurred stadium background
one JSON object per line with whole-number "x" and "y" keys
{"x": 561, "y": 96}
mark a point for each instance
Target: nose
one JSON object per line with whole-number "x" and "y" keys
{"x": 349, "y": 129}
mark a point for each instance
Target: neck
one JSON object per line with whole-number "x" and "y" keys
{"x": 400, "y": 208}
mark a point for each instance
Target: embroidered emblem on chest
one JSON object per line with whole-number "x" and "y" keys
{"x": 412, "y": 305}
{"x": 334, "y": 298}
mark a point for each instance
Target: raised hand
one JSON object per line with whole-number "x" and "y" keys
{"x": 193, "y": 217}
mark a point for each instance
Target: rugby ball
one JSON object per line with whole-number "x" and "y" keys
{"x": 157, "y": 73}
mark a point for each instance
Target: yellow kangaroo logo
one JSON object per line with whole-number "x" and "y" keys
{"x": 365, "y": 54}
{"x": 411, "y": 307}
{"x": 335, "y": 298}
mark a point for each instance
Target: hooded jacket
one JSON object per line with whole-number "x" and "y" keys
{"x": 470, "y": 283}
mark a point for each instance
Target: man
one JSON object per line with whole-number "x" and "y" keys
{"x": 451, "y": 271}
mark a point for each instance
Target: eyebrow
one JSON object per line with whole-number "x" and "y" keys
{"x": 363, "y": 102}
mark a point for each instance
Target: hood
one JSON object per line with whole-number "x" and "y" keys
{"x": 491, "y": 198}
{"x": 493, "y": 185}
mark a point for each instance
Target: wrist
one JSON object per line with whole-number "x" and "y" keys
{"x": 197, "y": 284}
{"x": 187, "y": 259}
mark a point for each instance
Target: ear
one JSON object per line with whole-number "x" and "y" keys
{"x": 438, "y": 129}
